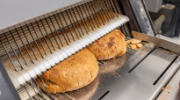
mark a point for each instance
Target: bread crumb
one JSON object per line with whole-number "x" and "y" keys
{"x": 133, "y": 46}
{"x": 139, "y": 45}
{"x": 164, "y": 98}
{"x": 162, "y": 89}
{"x": 128, "y": 41}
{"x": 168, "y": 87}
{"x": 135, "y": 41}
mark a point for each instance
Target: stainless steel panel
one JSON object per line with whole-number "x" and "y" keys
{"x": 171, "y": 91}
{"x": 152, "y": 67}
{"x": 138, "y": 84}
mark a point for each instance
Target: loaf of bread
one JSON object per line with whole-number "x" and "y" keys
{"x": 73, "y": 73}
{"x": 109, "y": 46}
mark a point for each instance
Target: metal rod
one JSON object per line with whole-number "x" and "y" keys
{"x": 56, "y": 32}
{"x": 83, "y": 17}
{"x": 106, "y": 7}
{"x": 38, "y": 38}
{"x": 99, "y": 14}
{"x": 43, "y": 36}
{"x": 8, "y": 54}
{"x": 77, "y": 23}
{"x": 46, "y": 88}
{"x": 38, "y": 88}
{"x": 75, "y": 27}
{"x": 83, "y": 21}
{"x": 29, "y": 43}
{"x": 34, "y": 89}
{"x": 68, "y": 26}
{"x": 72, "y": 24}
{"x": 36, "y": 97}
{"x": 18, "y": 47}
{"x": 61, "y": 31}
{"x": 104, "y": 11}
{"x": 95, "y": 14}
{"x": 34, "y": 41}
{"x": 87, "y": 17}
{"x": 90, "y": 13}
{"x": 52, "y": 33}
{"x": 13, "y": 51}
{"x": 63, "y": 27}
{"x": 24, "y": 45}
{"x": 113, "y": 7}
{"x": 47, "y": 34}
{"x": 27, "y": 92}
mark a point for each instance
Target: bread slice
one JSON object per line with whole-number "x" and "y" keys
{"x": 128, "y": 42}
{"x": 133, "y": 46}
{"x": 135, "y": 41}
{"x": 73, "y": 73}
{"x": 139, "y": 45}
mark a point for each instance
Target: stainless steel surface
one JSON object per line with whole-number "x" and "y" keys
{"x": 140, "y": 81}
{"x": 160, "y": 41}
{"x": 171, "y": 90}
{"x": 170, "y": 65}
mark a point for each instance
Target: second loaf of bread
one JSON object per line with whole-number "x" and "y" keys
{"x": 110, "y": 46}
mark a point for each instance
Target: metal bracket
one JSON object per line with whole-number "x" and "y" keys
{"x": 159, "y": 40}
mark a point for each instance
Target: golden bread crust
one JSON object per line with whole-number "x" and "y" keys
{"x": 73, "y": 73}
{"x": 110, "y": 46}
